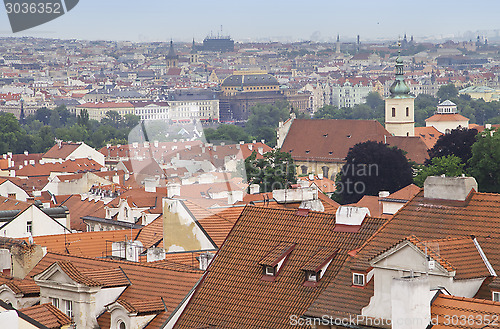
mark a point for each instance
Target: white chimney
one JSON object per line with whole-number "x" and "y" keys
{"x": 350, "y": 216}
{"x": 156, "y": 143}
{"x": 260, "y": 150}
{"x": 254, "y": 141}
{"x": 135, "y": 145}
{"x": 150, "y": 185}
{"x": 234, "y": 196}
{"x": 205, "y": 259}
{"x": 254, "y": 189}
{"x": 320, "y": 176}
{"x": 242, "y": 142}
{"x": 26, "y": 153}
{"x": 410, "y": 302}
{"x": 311, "y": 176}
{"x": 250, "y": 147}
{"x": 173, "y": 189}
{"x": 449, "y": 188}
{"x": 383, "y": 194}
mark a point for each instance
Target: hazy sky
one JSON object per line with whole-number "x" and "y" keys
{"x": 160, "y": 20}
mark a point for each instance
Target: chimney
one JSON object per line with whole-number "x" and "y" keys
{"x": 135, "y": 145}
{"x": 311, "y": 176}
{"x": 254, "y": 189}
{"x": 449, "y": 188}
{"x": 349, "y": 219}
{"x": 150, "y": 185}
{"x": 234, "y": 196}
{"x": 26, "y": 153}
{"x": 487, "y": 126}
{"x": 320, "y": 176}
{"x": 242, "y": 142}
{"x": 205, "y": 259}
{"x": 173, "y": 189}
{"x": 383, "y": 194}
{"x": 254, "y": 141}
{"x": 263, "y": 141}
{"x": 260, "y": 150}
{"x": 156, "y": 143}
{"x": 410, "y": 303}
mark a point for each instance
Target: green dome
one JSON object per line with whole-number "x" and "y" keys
{"x": 399, "y": 88}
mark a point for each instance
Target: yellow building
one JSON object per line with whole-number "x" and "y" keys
{"x": 482, "y": 92}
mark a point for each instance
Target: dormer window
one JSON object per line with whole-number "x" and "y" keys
{"x": 273, "y": 262}
{"x": 270, "y": 270}
{"x": 358, "y": 279}
{"x": 316, "y": 266}
{"x": 312, "y": 276}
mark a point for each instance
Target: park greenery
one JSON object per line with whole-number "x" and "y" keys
{"x": 38, "y": 132}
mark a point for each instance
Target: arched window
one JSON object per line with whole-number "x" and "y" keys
{"x": 121, "y": 325}
{"x": 304, "y": 170}
{"x": 325, "y": 171}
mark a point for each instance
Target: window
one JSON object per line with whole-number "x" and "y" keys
{"x": 407, "y": 111}
{"x": 69, "y": 308}
{"x": 270, "y": 270}
{"x": 304, "y": 170}
{"x": 325, "y": 170}
{"x": 358, "y": 279}
{"x": 311, "y": 276}
{"x": 393, "y": 112}
{"x": 496, "y": 296}
{"x": 29, "y": 227}
{"x": 55, "y": 302}
{"x": 121, "y": 325}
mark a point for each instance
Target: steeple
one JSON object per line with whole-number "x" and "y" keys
{"x": 399, "y": 106}
{"x": 172, "y": 58}
{"x": 399, "y": 88}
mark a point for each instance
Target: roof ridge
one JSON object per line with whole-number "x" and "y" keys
{"x": 121, "y": 262}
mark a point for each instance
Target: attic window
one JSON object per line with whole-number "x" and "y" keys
{"x": 273, "y": 262}
{"x": 325, "y": 135}
{"x": 495, "y": 296}
{"x": 331, "y": 152}
{"x": 316, "y": 266}
{"x": 307, "y": 151}
{"x": 358, "y": 279}
{"x": 348, "y": 136}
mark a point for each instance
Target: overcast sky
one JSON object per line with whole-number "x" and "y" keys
{"x": 160, "y": 20}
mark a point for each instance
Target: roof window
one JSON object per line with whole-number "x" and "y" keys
{"x": 273, "y": 262}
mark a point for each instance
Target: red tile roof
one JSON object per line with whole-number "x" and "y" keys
{"x": 415, "y": 147}
{"x": 79, "y": 208}
{"x": 48, "y": 315}
{"x": 329, "y": 140}
{"x": 69, "y": 166}
{"x": 428, "y": 219}
{"x": 446, "y": 118}
{"x": 429, "y": 135}
{"x": 61, "y": 152}
{"x": 478, "y": 311}
{"x": 232, "y": 294}
{"x": 148, "y": 283}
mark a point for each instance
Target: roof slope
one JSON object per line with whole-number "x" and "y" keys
{"x": 232, "y": 294}
{"x": 429, "y": 219}
{"x": 415, "y": 147}
{"x": 47, "y": 314}
{"x": 148, "y": 284}
{"x": 451, "y": 307}
{"x": 329, "y": 140}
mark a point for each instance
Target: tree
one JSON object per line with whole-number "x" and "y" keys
{"x": 450, "y": 165}
{"x": 329, "y": 112}
{"x": 458, "y": 142}
{"x": 484, "y": 165}
{"x": 447, "y": 92}
{"x": 12, "y": 137}
{"x": 272, "y": 172}
{"x": 43, "y": 115}
{"x": 264, "y": 119}
{"x": 226, "y": 133}
{"x": 372, "y": 167}
{"x": 112, "y": 118}
{"x": 83, "y": 118}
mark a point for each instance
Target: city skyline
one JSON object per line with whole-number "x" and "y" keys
{"x": 268, "y": 21}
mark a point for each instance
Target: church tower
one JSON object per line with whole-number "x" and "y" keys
{"x": 172, "y": 58}
{"x": 399, "y": 106}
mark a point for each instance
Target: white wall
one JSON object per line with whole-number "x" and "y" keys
{"x": 8, "y": 187}
{"x": 42, "y": 224}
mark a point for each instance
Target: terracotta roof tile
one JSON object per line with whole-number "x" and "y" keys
{"x": 446, "y": 118}
{"x": 26, "y": 286}
{"x": 79, "y": 208}
{"x": 148, "y": 282}
{"x": 329, "y": 140}
{"x": 452, "y": 307}
{"x": 56, "y": 152}
{"x": 428, "y": 219}
{"x": 415, "y": 147}
{"x": 48, "y": 315}
{"x": 429, "y": 135}
{"x": 232, "y": 294}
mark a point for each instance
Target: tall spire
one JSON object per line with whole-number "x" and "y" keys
{"x": 399, "y": 88}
